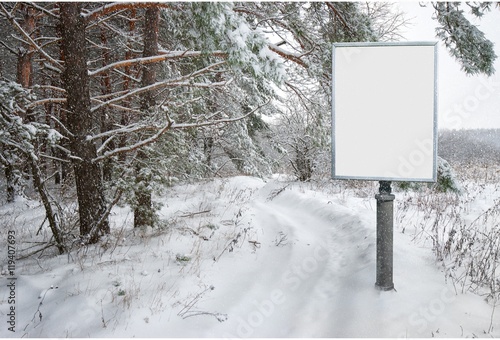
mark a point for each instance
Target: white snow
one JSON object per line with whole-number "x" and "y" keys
{"x": 240, "y": 257}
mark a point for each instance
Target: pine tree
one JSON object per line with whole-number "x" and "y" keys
{"x": 465, "y": 42}
{"x": 89, "y": 185}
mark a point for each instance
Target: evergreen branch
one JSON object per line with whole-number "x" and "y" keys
{"x": 278, "y": 22}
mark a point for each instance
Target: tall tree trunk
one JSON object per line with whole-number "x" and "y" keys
{"x": 24, "y": 58}
{"x": 10, "y": 179}
{"x": 208, "y": 148}
{"x": 23, "y": 76}
{"x": 144, "y": 213}
{"x": 89, "y": 184}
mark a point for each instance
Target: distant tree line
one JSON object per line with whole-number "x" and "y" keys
{"x": 476, "y": 146}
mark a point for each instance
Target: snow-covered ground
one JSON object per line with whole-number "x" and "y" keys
{"x": 240, "y": 257}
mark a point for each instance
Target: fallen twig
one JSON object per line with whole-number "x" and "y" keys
{"x": 196, "y": 213}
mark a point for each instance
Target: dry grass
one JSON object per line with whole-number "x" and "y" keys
{"x": 465, "y": 241}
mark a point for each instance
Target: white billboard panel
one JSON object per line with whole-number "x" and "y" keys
{"x": 384, "y": 123}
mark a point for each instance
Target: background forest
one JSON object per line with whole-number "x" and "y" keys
{"x": 115, "y": 101}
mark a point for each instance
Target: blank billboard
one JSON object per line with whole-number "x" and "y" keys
{"x": 384, "y": 123}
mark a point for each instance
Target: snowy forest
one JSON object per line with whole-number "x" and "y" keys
{"x": 165, "y": 172}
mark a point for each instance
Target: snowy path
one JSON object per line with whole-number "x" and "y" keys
{"x": 317, "y": 282}
{"x": 321, "y": 283}
{"x": 321, "y": 264}
{"x": 300, "y": 284}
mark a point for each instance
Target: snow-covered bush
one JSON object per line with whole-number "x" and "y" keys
{"x": 447, "y": 180}
{"x": 19, "y": 139}
{"x": 446, "y": 177}
{"x": 15, "y": 133}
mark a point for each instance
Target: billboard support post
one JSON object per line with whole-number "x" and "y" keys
{"x": 385, "y": 223}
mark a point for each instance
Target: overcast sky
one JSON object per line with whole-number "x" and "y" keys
{"x": 464, "y": 101}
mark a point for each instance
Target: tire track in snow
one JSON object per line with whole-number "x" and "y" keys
{"x": 326, "y": 244}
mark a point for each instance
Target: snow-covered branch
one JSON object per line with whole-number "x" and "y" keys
{"x": 164, "y": 55}
{"x": 118, "y": 6}
{"x": 288, "y": 55}
{"x": 128, "y": 76}
{"x": 61, "y": 125}
{"x": 45, "y": 101}
{"x": 10, "y": 49}
{"x": 262, "y": 18}
{"x": 4, "y": 161}
{"x": 68, "y": 153}
{"x": 42, "y": 9}
{"x": 110, "y": 95}
{"x": 123, "y": 130}
{"x": 171, "y": 125}
{"x": 280, "y": 22}
{"x": 63, "y": 100}
{"x": 180, "y": 81}
{"x": 106, "y": 142}
{"x": 219, "y": 121}
{"x": 51, "y": 87}
{"x": 135, "y": 146}
{"x": 54, "y": 158}
{"x": 119, "y": 107}
{"x": 338, "y": 15}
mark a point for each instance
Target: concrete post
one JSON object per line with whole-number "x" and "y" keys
{"x": 385, "y": 228}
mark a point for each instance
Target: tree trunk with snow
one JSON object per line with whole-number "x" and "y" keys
{"x": 88, "y": 177}
{"x": 144, "y": 213}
